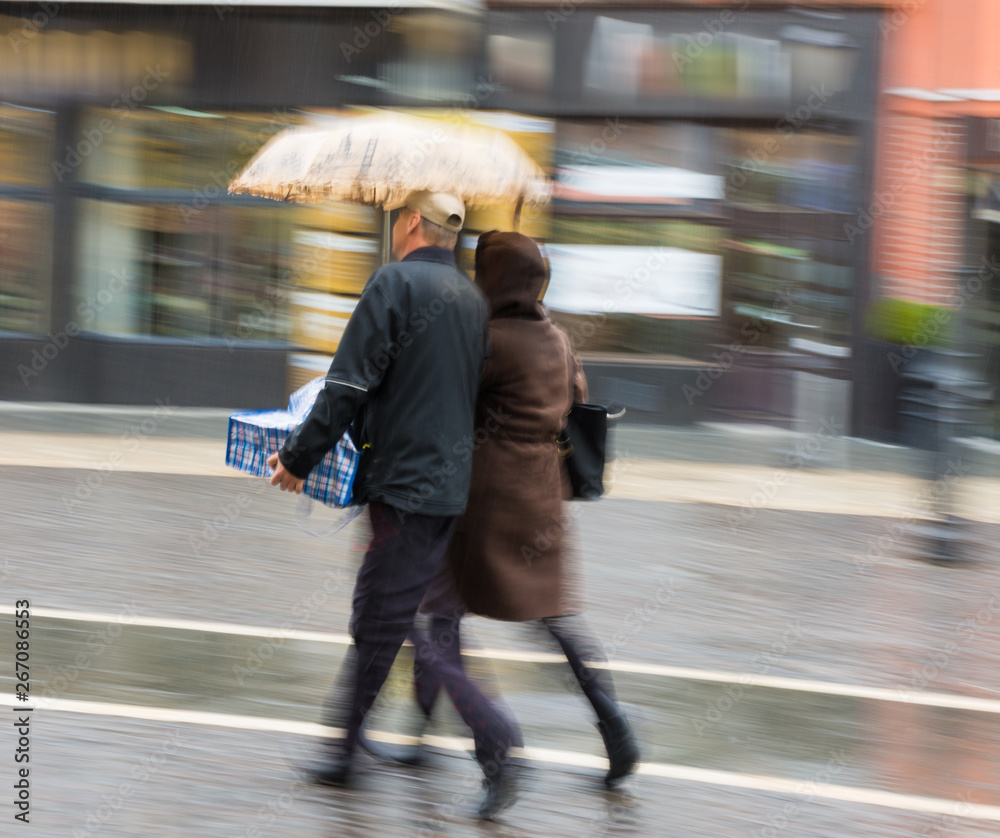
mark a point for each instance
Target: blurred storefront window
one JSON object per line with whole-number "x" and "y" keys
{"x": 521, "y": 55}
{"x": 25, "y": 265}
{"x": 175, "y": 148}
{"x": 637, "y": 286}
{"x": 536, "y": 137}
{"x": 680, "y": 61}
{"x": 146, "y": 270}
{"x": 335, "y": 249}
{"x": 45, "y": 62}
{"x": 431, "y": 57}
{"x": 788, "y": 296}
{"x": 26, "y": 138}
{"x": 637, "y": 238}
{"x": 790, "y": 271}
{"x": 779, "y": 169}
{"x": 163, "y": 249}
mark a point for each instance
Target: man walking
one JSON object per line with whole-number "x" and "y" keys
{"x": 406, "y": 373}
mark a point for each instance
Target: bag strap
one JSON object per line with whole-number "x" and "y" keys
{"x": 570, "y": 364}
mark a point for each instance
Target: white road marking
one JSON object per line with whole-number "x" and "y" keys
{"x": 918, "y": 697}
{"x": 183, "y": 624}
{"x": 849, "y": 794}
{"x": 731, "y": 779}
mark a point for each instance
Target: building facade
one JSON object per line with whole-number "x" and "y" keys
{"x": 933, "y": 220}
{"x": 709, "y": 162}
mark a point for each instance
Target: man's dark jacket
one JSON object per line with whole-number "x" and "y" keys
{"x": 407, "y": 373}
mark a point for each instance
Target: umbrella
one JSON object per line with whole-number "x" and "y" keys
{"x": 380, "y": 158}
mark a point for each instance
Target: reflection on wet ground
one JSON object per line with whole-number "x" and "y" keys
{"x": 894, "y": 746}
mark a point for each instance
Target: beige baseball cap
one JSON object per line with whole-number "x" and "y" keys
{"x": 440, "y": 208}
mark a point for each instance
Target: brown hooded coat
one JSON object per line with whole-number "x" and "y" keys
{"x": 509, "y": 555}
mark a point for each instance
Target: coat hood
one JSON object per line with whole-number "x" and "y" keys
{"x": 511, "y": 272}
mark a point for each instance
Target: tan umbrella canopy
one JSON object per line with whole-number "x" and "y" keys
{"x": 378, "y": 159}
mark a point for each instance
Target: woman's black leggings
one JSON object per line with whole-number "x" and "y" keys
{"x": 571, "y": 632}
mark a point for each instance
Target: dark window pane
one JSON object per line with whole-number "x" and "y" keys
{"x": 25, "y": 266}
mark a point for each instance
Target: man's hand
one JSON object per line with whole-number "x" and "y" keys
{"x": 283, "y": 478}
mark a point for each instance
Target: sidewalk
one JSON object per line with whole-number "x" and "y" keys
{"x": 734, "y": 444}
{"x": 745, "y": 467}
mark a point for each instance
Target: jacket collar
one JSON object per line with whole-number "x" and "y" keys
{"x": 430, "y": 254}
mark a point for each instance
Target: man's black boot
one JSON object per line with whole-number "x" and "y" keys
{"x": 332, "y": 767}
{"x": 332, "y": 772}
{"x": 395, "y": 754}
{"x": 503, "y": 788}
{"x": 392, "y": 753}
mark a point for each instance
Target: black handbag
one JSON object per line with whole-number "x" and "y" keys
{"x": 583, "y": 447}
{"x": 584, "y": 440}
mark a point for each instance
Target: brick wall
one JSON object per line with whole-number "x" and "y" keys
{"x": 920, "y": 223}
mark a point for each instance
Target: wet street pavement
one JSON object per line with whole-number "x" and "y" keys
{"x": 218, "y": 783}
{"x": 789, "y": 674}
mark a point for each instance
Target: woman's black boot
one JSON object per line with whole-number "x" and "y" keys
{"x": 623, "y": 750}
